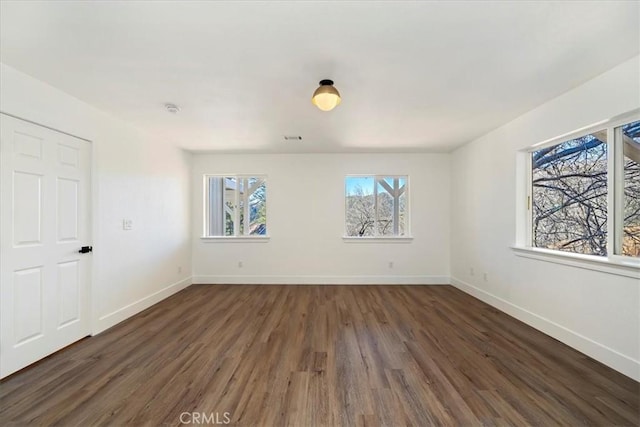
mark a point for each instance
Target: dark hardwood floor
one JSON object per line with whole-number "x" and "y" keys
{"x": 320, "y": 355}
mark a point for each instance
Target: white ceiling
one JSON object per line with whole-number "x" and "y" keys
{"x": 414, "y": 76}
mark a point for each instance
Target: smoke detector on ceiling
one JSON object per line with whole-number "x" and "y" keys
{"x": 172, "y": 108}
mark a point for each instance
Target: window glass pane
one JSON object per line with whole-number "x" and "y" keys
{"x": 403, "y": 213}
{"x": 230, "y": 204}
{"x": 258, "y": 207}
{"x": 360, "y": 206}
{"x": 215, "y": 223}
{"x": 241, "y": 203}
{"x": 385, "y": 208}
{"x": 569, "y": 196}
{"x": 391, "y": 206}
{"x": 631, "y": 209}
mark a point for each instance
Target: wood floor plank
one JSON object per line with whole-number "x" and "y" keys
{"x": 320, "y": 356}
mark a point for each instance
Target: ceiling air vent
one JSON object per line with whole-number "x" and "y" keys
{"x": 172, "y": 108}
{"x": 292, "y": 138}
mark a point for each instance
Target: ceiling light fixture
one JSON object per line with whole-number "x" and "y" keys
{"x": 326, "y": 97}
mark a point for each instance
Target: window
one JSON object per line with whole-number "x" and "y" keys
{"x": 376, "y": 206}
{"x": 584, "y": 193}
{"x": 235, "y": 206}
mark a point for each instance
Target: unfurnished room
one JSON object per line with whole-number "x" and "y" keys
{"x": 320, "y": 213}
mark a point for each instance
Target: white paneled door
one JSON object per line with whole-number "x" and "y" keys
{"x": 45, "y": 222}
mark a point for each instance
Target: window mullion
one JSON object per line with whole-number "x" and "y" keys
{"x": 396, "y": 206}
{"x": 236, "y": 210}
{"x": 375, "y": 206}
{"x": 614, "y": 211}
{"x": 210, "y": 209}
{"x": 206, "y": 212}
{"x": 529, "y": 202}
{"x": 245, "y": 205}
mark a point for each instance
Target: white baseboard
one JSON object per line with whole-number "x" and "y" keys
{"x": 322, "y": 280}
{"x": 602, "y": 353}
{"x": 113, "y": 318}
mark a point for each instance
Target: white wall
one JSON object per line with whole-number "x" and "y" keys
{"x": 595, "y": 312}
{"x": 305, "y": 215}
{"x": 134, "y": 176}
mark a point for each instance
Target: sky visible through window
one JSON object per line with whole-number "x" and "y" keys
{"x": 365, "y": 183}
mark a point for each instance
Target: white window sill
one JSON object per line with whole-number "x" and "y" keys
{"x": 612, "y": 265}
{"x": 235, "y": 239}
{"x": 391, "y": 239}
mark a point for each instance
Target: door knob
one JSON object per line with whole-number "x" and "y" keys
{"x": 85, "y": 249}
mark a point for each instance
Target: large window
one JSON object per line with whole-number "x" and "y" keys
{"x": 584, "y": 194}
{"x": 235, "y": 206}
{"x": 376, "y": 206}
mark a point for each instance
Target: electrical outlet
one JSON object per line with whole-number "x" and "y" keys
{"x": 179, "y": 269}
{"x": 127, "y": 224}
{"x": 240, "y": 264}
{"x": 485, "y": 277}
{"x": 471, "y": 272}
{"x": 390, "y": 264}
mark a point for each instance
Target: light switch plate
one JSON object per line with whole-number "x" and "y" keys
{"x": 127, "y": 224}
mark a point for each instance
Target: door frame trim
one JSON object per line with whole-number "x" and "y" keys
{"x": 46, "y": 127}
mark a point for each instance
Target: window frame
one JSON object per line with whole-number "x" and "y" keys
{"x": 558, "y": 141}
{"x": 207, "y": 206}
{"x": 614, "y": 262}
{"x": 407, "y": 237}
